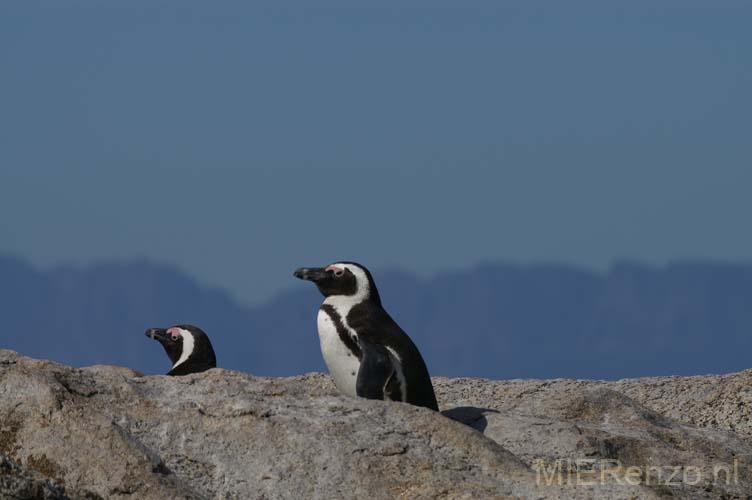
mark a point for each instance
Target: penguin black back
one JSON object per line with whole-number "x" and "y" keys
{"x": 376, "y": 326}
{"x": 187, "y": 346}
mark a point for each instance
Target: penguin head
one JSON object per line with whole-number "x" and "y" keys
{"x": 345, "y": 279}
{"x": 187, "y": 346}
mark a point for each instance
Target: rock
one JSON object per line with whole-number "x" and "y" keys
{"x": 21, "y": 484}
{"x": 108, "y": 432}
{"x": 663, "y": 426}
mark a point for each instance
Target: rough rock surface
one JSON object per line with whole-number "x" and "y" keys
{"x": 666, "y": 426}
{"x": 108, "y": 432}
{"x": 17, "y": 482}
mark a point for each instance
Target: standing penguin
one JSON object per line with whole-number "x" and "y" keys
{"x": 367, "y": 353}
{"x": 187, "y": 346}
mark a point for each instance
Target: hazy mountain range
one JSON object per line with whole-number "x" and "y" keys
{"x": 494, "y": 320}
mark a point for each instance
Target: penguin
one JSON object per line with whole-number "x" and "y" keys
{"x": 187, "y": 346}
{"x": 365, "y": 350}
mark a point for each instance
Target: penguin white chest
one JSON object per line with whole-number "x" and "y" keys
{"x": 343, "y": 365}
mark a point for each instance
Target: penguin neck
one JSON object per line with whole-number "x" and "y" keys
{"x": 199, "y": 361}
{"x": 344, "y": 303}
{"x": 190, "y": 366}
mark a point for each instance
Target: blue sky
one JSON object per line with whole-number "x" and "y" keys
{"x": 240, "y": 140}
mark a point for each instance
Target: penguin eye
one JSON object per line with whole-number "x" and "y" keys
{"x": 174, "y": 337}
{"x": 339, "y": 272}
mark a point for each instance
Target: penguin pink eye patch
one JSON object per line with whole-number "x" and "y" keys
{"x": 338, "y": 271}
{"x": 174, "y": 333}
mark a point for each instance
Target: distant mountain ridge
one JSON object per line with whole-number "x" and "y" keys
{"x": 494, "y": 320}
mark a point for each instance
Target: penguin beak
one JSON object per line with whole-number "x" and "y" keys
{"x": 311, "y": 273}
{"x": 157, "y": 334}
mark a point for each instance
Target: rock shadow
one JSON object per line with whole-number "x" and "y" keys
{"x": 470, "y": 415}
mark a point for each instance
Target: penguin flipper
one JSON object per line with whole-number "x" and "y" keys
{"x": 409, "y": 370}
{"x": 376, "y": 370}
